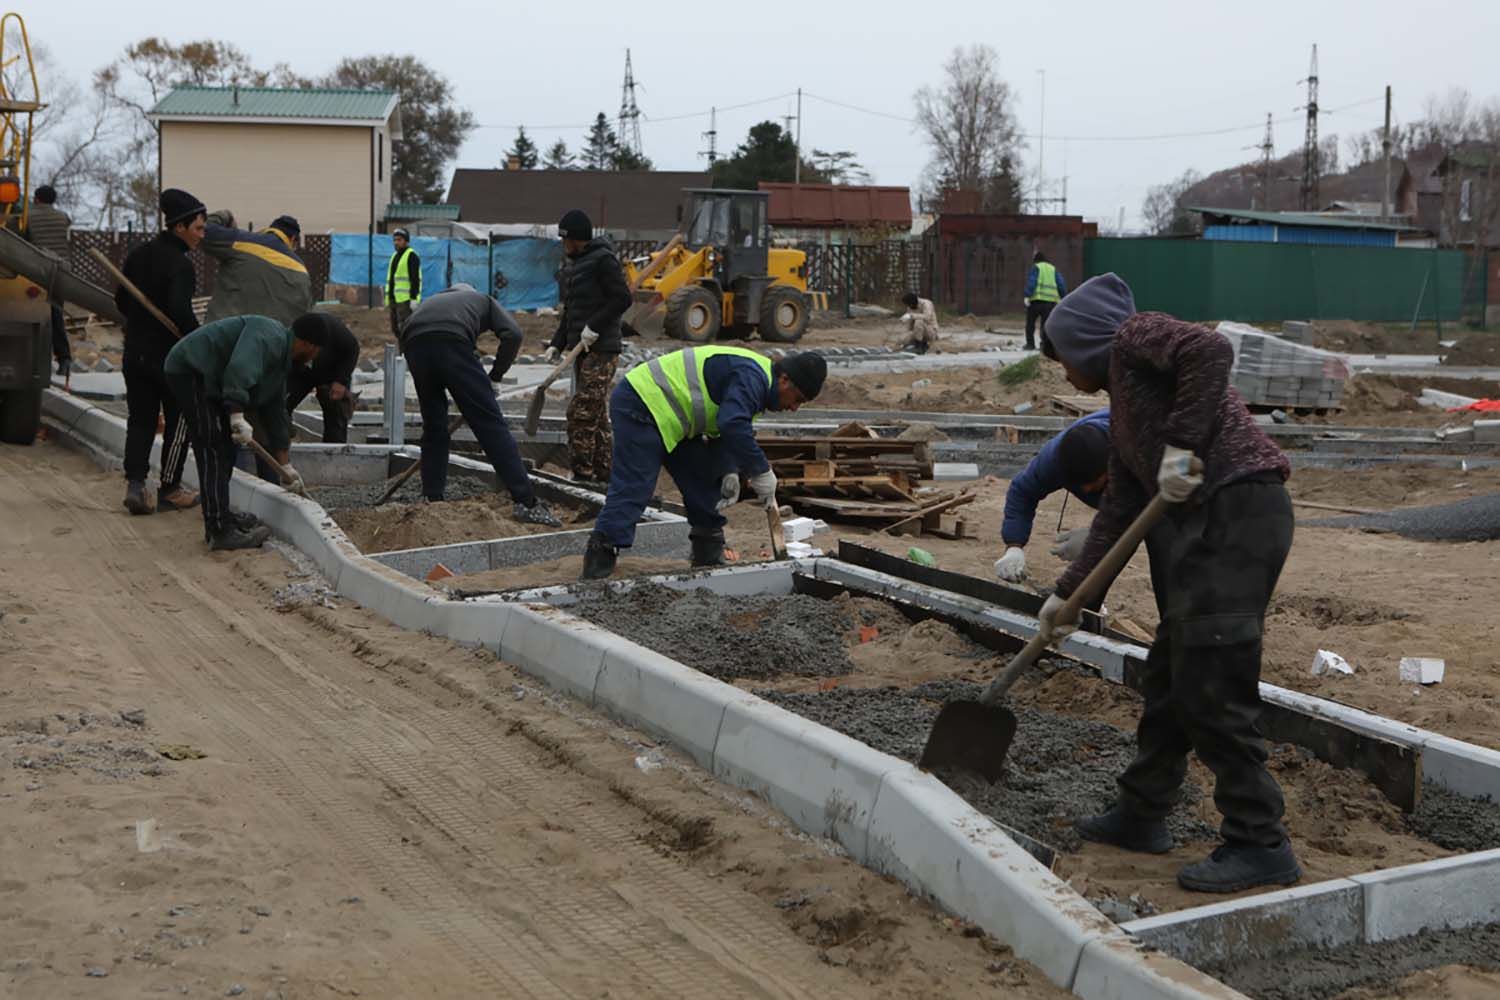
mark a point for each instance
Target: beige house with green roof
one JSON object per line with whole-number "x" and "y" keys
{"x": 322, "y": 155}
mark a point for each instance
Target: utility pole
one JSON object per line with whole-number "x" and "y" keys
{"x": 712, "y": 135}
{"x": 629, "y": 127}
{"x": 797, "y": 143}
{"x": 1041, "y": 141}
{"x": 1310, "y": 166}
{"x": 1385, "y": 144}
{"x": 1267, "y": 146}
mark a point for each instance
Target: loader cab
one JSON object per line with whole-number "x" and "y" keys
{"x": 734, "y": 223}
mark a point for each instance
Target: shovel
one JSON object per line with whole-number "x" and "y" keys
{"x": 976, "y": 735}
{"x": 539, "y": 399}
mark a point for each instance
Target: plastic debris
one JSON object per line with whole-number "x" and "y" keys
{"x": 921, "y": 557}
{"x": 1327, "y": 662}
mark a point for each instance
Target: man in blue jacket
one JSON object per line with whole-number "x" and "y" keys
{"x": 691, "y": 412}
{"x": 1077, "y": 460}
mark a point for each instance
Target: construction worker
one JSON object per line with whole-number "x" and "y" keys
{"x": 594, "y": 297}
{"x": 260, "y": 273}
{"x": 222, "y": 374}
{"x": 921, "y": 324}
{"x": 47, "y": 227}
{"x": 162, "y": 272}
{"x": 1215, "y": 560}
{"x": 1044, "y": 289}
{"x": 330, "y": 378}
{"x": 1077, "y": 460}
{"x": 403, "y": 281}
{"x": 690, "y": 411}
{"x": 441, "y": 338}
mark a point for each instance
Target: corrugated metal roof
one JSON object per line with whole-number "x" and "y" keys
{"x": 327, "y": 103}
{"x": 1300, "y": 219}
{"x": 397, "y": 210}
{"x": 837, "y": 205}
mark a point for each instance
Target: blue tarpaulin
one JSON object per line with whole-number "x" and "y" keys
{"x": 527, "y": 267}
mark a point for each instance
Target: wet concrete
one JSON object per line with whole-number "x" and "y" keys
{"x": 1455, "y": 822}
{"x": 727, "y": 637}
{"x": 365, "y": 495}
{"x": 1321, "y": 975}
{"x": 1059, "y": 768}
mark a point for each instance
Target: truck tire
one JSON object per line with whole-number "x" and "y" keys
{"x": 783, "y": 315}
{"x": 20, "y": 415}
{"x": 694, "y": 314}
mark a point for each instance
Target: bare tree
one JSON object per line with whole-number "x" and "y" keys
{"x": 969, "y": 122}
{"x": 1164, "y": 210}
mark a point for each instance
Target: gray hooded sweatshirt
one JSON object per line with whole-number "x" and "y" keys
{"x": 1082, "y": 327}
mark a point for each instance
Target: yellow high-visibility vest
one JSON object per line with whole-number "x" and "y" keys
{"x": 672, "y": 388}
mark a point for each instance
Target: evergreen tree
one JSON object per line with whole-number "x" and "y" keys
{"x": 600, "y": 146}
{"x": 524, "y": 150}
{"x": 559, "y": 157}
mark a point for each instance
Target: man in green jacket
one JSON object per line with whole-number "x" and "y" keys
{"x": 259, "y": 273}
{"x": 220, "y": 373}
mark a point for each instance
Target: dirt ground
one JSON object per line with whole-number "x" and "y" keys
{"x": 1451, "y": 982}
{"x": 1353, "y": 337}
{"x": 965, "y": 390}
{"x": 396, "y": 526}
{"x": 366, "y": 811}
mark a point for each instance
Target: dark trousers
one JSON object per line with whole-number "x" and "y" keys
{"x": 589, "y": 443}
{"x": 213, "y": 449}
{"x": 696, "y": 466}
{"x": 1213, "y": 568}
{"x": 442, "y": 366}
{"x": 400, "y": 313}
{"x": 146, "y": 395}
{"x": 336, "y": 412}
{"x": 1036, "y": 311}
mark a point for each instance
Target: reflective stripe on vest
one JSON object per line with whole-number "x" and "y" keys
{"x": 1046, "y": 284}
{"x": 398, "y": 287}
{"x": 672, "y": 389}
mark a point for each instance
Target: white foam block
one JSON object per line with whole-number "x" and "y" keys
{"x": 1421, "y": 670}
{"x": 1328, "y": 662}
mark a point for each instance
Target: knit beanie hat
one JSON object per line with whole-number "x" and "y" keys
{"x": 1083, "y": 454}
{"x": 179, "y": 206}
{"x": 316, "y": 329}
{"x": 575, "y": 225}
{"x": 1081, "y": 328}
{"x": 287, "y": 225}
{"x": 806, "y": 370}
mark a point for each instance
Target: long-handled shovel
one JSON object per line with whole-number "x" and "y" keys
{"x": 976, "y": 735}
{"x": 165, "y": 321}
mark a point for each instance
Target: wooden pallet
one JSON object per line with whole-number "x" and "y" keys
{"x": 1077, "y": 406}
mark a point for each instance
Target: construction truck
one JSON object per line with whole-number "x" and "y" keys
{"x": 720, "y": 276}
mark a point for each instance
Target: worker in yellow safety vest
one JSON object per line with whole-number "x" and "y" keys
{"x": 1044, "y": 289}
{"x": 403, "y": 281}
{"x": 690, "y": 411}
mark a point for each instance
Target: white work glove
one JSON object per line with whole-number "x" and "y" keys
{"x": 1026, "y": 302}
{"x": 240, "y": 431}
{"x": 552, "y": 355}
{"x": 1173, "y": 479}
{"x": 764, "y": 486}
{"x": 588, "y": 337}
{"x": 1069, "y": 544}
{"x": 292, "y": 479}
{"x": 1011, "y": 566}
{"x": 729, "y": 491}
{"x": 1051, "y": 627}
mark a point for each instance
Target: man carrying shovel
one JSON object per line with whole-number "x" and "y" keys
{"x": 1215, "y": 559}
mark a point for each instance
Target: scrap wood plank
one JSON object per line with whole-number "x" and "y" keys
{"x": 937, "y": 508}
{"x": 1077, "y": 406}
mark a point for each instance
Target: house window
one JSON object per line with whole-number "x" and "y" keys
{"x": 380, "y": 158}
{"x": 1465, "y": 193}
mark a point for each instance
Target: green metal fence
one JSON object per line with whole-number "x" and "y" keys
{"x": 1270, "y": 282}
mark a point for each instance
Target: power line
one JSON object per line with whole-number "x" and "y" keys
{"x": 647, "y": 119}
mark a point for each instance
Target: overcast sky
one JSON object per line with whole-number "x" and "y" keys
{"x": 1112, "y": 69}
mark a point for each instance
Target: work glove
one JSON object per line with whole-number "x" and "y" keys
{"x": 588, "y": 337}
{"x": 1011, "y": 566}
{"x": 1026, "y": 302}
{"x": 764, "y": 486}
{"x": 1174, "y": 478}
{"x": 729, "y": 491}
{"x": 1069, "y": 544}
{"x": 292, "y": 479}
{"x": 552, "y": 355}
{"x": 240, "y": 431}
{"x": 1051, "y": 627}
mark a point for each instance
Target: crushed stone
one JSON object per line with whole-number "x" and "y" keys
{"x": 1454, "y": 822}
{"x": 1475, "y": 519}
{"x": 365, "y": 494}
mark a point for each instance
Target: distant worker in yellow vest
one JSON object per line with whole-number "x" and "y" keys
{"x": 403, "y": 281}
{"x": 1044, "y": 289}
{"x": 691, "y": 411}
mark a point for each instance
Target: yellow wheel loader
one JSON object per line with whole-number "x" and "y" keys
{"x": 721, "y": 276}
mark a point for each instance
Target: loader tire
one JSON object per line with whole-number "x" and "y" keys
{"x": 783, "y": 315}
{"x": 694, "y": 314}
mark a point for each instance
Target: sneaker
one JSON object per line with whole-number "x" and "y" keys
{"x": 180, "y": 498}
{"x": 1234, "y": 867}
{"x": 135, "y": 499}
{"x": 1121, "y": 829}
{"x": 598, "y": 559}
{"x": 537, "y": 513}
{"x": 235, "y": 537}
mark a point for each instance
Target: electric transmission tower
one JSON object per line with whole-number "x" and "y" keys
{"x": 1310, "y": 166}
{"x": 712, "y": 135}
{"x": 1267, "y": 146}
{"x": 629, "y": 127}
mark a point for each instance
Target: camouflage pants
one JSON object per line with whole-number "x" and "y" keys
{"x": 400, "y": 313}
{"x": 589, "y": 441}
{"x": 1213, "y": 567}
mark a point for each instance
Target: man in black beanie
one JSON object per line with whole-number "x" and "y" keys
{"x": 690, "y": 411}
{"x": 329, "y": 376}
{"x": 594, "y": 296}
{"x": 161, "y": 270}
{"x": 259, "y": 273}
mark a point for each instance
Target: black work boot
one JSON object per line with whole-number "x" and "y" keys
{"x": 537, "y": 513}
{"x": 1124, "y": 829}
{"x": 135, "y": 498}
{"x": 598, "y": 559}
{"x": 244, "y": 520}
{"x": 232, "y": 536}
{"x": 708, "y": 550}
{"x": 1233, "y": 867}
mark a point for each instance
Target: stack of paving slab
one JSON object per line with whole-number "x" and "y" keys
{"x": 1271, "y": 371}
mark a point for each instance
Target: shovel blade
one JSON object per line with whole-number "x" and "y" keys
{"x": 534, "y": 411}
{"x": 970, "y": 736}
